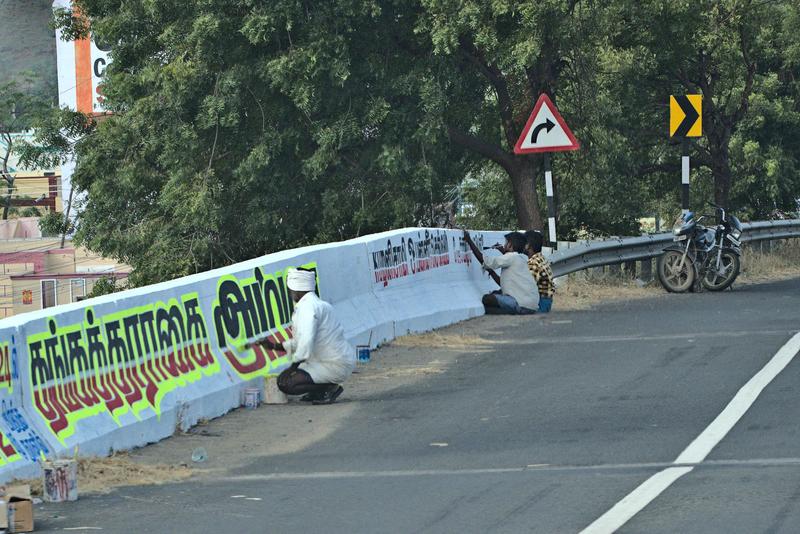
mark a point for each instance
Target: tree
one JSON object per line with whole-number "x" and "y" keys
{"x": 502, "y": 55}
{"x": 240, "y": 130}
{"x": 18, "y": 108}
{"x": 53, "y": 224}
{"x": 727, "y": 50}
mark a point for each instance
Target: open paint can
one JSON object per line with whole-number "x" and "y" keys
{"x": 272, "y": 394}
{"x": 252, "y": 398}
{"x": 60, "y": 480}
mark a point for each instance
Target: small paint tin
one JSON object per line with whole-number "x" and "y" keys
{"x": 252, "y": 398}
{"x": 60, "y": 480}
{"x": 362, "y": 354}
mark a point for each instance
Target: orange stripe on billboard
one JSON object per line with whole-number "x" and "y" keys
{"x": 83, "y": 75}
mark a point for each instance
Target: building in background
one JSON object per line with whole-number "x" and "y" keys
{"x": 37, "y": 274}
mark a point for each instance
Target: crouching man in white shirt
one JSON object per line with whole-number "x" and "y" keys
{"x": 321, "y": 356}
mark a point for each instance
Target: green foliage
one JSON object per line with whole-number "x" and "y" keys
{"x": 58, "y": 133}
{"x": 738, "y": 55}
{"x": 53, "y": 224}
{"x": 242, "y": 129}
{"x": 30, "y": 211}
{"x": 19, "y": 110}
{"x": 486, "y": 201}
{"x": 105, "y": 286}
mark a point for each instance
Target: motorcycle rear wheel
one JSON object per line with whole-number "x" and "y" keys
{"x": 729, "y": 267}
{"x": 673, "y": 277}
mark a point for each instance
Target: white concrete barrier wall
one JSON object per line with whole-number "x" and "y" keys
{"x": 128, "y": 369}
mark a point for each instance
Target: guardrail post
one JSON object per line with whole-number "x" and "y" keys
{"x": 630, "y": 269}
{"x": 646, "y": 270}
{"x": 615, "y": 270}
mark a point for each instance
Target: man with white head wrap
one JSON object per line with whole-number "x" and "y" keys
{"x": 321, "y": 356}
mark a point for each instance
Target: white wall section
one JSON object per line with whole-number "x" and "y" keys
{"x": 127, "y": 369}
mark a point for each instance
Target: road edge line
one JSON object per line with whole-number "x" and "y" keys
{"x": 700, "y": 447}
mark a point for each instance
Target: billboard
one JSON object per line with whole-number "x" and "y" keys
{"x": 81, "y": 66}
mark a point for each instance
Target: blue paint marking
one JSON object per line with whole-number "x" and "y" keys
{"x": 24, "y": 438}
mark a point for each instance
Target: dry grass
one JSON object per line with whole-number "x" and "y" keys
{"x": 781, "y": 263}
{"x": 581, "y": 292}
{"x": 441, "y": 340}
{"x": 408, "y": 371}
{"x": 101, "y": 475}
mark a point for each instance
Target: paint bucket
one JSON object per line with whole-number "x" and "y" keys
{"x": 362, "y": 354}
{"x": 252, "y": 398}
{"x": 60, "y": 480}
{"x": 273, "y": 395}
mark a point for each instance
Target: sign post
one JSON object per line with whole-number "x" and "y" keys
{"x": 685, "y": 120}
{"x": 546, "y": 132}
{"x": 551, "y": 202}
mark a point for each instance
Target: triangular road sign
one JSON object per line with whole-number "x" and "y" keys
{"x": 545, "y": 131}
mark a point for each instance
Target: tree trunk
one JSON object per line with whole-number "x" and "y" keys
{"x": 719, "y": 148}
{"x": 722, "y": 184}
{"x": 523, "y": 175}
{"x": 7, "y": 203}
{"x": 7, "y": 175}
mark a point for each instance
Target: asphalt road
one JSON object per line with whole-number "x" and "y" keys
{"x": 549, "y": 428}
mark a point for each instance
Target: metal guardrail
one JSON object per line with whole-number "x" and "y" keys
{"x": 587, "y": 254}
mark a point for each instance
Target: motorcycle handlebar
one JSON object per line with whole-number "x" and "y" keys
{"x": 720, "y": 208}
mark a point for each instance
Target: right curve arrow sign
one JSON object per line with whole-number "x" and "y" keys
{"x": 545, "y": 131}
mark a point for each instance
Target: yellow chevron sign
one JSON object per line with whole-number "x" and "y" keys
{"x": 686, "y": 116}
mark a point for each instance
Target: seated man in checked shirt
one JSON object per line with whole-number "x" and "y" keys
{"x": 321, "y": 356}
{"x": 540, "y": 269}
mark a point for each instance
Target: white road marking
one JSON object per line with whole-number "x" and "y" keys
{"x": 662, "y": 337}
{"x": 628, "y": 507}
{"x": 697, "y": 451}
{"x": 369, "y": 474}
{"x": 533, "y": 469}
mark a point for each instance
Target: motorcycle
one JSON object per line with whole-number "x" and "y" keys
{"x": 710, "y": 255}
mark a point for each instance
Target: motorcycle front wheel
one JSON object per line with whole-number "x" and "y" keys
{"x": 675, "y": 278}
{"x": 722, "y": 278}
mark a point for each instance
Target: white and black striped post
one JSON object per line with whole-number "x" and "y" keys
{"x": 551, "y": 202}
{"x": 684, "y": 176}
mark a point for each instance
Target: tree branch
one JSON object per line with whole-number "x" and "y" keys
{"x": 685, "y": 81}
{"x": 571, "y": 6}
{"x": 698, "y": 160}
{"x": 260, "y": 107}
{"x": 4, "y": 170}
{"x": 657, "y": 167}
{"x": 487, "y": 150}
{"x": 744, "y": 102}
{"x": 498, "y": 81}
{"x": 216, "y": 133}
